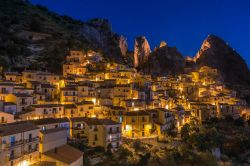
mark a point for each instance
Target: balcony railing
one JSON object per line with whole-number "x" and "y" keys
{"x": 13, "y": 157}
{"x": 13, "y": 144}
{"x": 19, "y": 143}
{"x": 114, "y": 139}
{"x": 115, "y": 132}
{"x": 30, "y": 151}
{"x": 35, "y": 139}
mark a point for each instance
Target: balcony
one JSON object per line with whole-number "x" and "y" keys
{"x": 12, "y": 145}
{"x": 30, "y": 151}
{"x": 114, "y": 139}
{"x": 13, "y": 157}
{"x": 115, "y": 132}
{"x": 35, "y": 139}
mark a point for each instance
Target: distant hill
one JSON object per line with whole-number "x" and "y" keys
{"x": 34, "y": 37}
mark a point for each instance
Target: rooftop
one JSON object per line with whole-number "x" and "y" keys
{"x": 54, "y": 130}
{"x": 137, "y": 113}
{"x": 49, "y": 121}
{"x": 46, "y": 105}
{"x": 94, "y": 121}
{"x": 62, "y": 154}
{"x": 17, "y": 127}
{"x": 44, "y": 163}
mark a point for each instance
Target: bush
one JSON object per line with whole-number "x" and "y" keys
{"x": 185, "y": 132}
{"x": 239, "y": 122}
{"x": 137, "y": 144}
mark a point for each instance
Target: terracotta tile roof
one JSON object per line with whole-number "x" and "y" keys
{"x": 65, "y": 154}
{"x": 68, "y": 106}
{"x": 12, "y": 73}
{"x": 7, "y": 84}
{"x": 54, "y": 130}
{"x": 17, "y": 127}
{"x": 137, "y": 113}
{"x": 49, "y": 121}
{"x": 46, "y": 105}
{"x": 94, "y": 121}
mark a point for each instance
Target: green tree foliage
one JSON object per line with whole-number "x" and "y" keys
{"x": 185, "y": 131}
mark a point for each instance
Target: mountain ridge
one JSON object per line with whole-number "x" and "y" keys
{"x": 33, "y": 37}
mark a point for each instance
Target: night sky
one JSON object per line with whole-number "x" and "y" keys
{"x": 181, "y": 23}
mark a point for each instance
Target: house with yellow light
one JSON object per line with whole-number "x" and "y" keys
{"x": 133, "y": 104}
{"x": 69, "y": 94}
{"x": 115, "y": 113}
{"x": 54, "y": 149}
{"x": 121, "y": 92}
{"x": 70, "y": 110}
{"x": 75, "y": 64}
{"x": 85, "y": 109}
{"x": 6, "y": 88}
{"x": 19, "y": 143}
{"x": 163, "y": 120}
{"x": 40, "y": 111}
{"x": 86, "y": 91}
{"x": 13, "y": 76}
{"x": 96, "y": 132}
{"x": 181, "y": 115}
{"x": 137, "y": 124}
{"x": 229, "y": 110}
{"x": 22, "y": 100}
{"x": 6, "y": 118}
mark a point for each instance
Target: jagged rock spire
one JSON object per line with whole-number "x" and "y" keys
{"x": 141, "y": 51}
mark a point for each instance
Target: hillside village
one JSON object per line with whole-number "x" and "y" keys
{"x": 103, "y": 105}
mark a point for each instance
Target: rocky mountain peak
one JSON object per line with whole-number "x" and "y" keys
{"x": 216, "y": 53}
{"x": 141, "y": 51}
{"x": 163, "y": 44}
{"x": 123, "y": 45}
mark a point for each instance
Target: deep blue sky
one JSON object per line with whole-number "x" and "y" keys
{"x": 181, "y": 23}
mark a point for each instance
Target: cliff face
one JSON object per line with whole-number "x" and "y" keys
{"x": 164, "y": 60}
{"x": 141, "y": 51}
{"x": 123, "y": 45}
{"x": 32, "y": 36}
{"x": 218, "y": 54}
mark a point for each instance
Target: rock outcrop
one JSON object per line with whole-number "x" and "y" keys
{"x": 123, "y": 45}
{"x": 141, "y": 51}
{"x": 218, "y": 54}
{"x": 99, "y": 32}
{"x": 164, "y": 60}
{"x": 33, "y": 37}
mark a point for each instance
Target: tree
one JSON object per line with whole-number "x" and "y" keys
{"x": 207, "y": 159}
{"x": 185, "y": 132}
{"x": 144, "y": 159}
{"x": 239, "y": 122}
